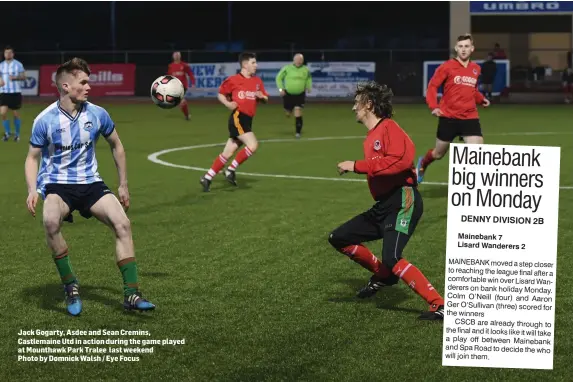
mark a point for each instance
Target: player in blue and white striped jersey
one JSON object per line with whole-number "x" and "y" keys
{"x": 12, "y": 75}
{"x": 64, "y": 136}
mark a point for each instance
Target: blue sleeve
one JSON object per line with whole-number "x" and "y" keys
{"x": 107, "y": 125}
{"x": 39, "y": 136}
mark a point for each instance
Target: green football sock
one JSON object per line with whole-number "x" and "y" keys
{"x": 65, "y": 268}
{"x": 128, "y": 269}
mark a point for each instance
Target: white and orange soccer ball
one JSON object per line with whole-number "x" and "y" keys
{"x": 167, "y": 92}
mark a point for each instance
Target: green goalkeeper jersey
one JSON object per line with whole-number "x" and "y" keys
{"x": 294, "y": 80}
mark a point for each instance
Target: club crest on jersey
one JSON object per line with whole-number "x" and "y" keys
{"x": 88, "y": 126}
{"x": 377, "y": 145}
{"x": 475, "y": 72}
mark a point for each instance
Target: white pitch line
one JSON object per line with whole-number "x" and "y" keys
{"x": 154, "y": 157}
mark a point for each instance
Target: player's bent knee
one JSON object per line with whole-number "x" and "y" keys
{"x": 51, "y": 222}
{"x": 337, "y": 241}
{"x": 333, "y": 240}
{"x": 122, "y": 227}
{"x": 227, "y": 153}
{"x": 253, "y": 147}
{"x": 439, "y": 154}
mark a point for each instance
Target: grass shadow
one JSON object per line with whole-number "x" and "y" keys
{"x": 387, "y": 298}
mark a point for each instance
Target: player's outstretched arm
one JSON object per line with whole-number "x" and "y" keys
{"x": 120, "y": 160}
{"x": 31, "y": 172}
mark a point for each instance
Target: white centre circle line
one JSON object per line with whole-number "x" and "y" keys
{"x": 154, "y": 157}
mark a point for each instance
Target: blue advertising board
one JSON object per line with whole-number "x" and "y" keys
{"x": 329, "y": 79}
{"x": 530, "y": 7}
{"x": 339, "y": 79}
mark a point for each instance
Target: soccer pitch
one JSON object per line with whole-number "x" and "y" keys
{"x": 245, "y": 275}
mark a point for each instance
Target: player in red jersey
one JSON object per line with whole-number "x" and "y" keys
{"x": 389, "y": 167}
{"x": 457, "y": 110}
{"x": 240, "y": 94}
{"x": 181, "y": 70}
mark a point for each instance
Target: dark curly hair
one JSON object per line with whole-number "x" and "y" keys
{"x": 380, "y": 96}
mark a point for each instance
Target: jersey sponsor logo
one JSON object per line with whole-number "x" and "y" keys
{"x": 246, "y": 95}
{"x": 73, "y": 147}
{"x": 465, "y": 80}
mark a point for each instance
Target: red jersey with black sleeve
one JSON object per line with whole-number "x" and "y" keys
{"x": 388, "y": 159}
{"x": 242, "y": 90}
{"x": 178, "y": 70}
{"x": 460, "y": 94}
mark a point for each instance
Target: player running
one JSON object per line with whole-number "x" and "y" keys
{"x": 64, "y": 135}
{"x": 181, "y": 70}
{"x": 389, "y": 167}
{"x": 239, "y": 93}
{"x": 457, "y": 110}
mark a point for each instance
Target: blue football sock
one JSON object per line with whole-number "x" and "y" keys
{"x": 6, "y": 123}
{"x": 17, "y": 126}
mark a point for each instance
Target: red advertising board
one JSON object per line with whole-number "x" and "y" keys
{"x": 105, "y": 80}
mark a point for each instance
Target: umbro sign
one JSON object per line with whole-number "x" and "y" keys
{"x": 521, "y": 6}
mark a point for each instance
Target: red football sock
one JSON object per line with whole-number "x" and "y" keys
{"x": 242, "y": 156}
{"x": 217, "y": 166}
{"x": 418, "y": 282}
{"x": 362, "y": 255}
{"x": 185, "y": 109}
{"x": 428, "y": 158}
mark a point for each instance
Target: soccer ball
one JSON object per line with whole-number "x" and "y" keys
{"x": 167, "y": 92}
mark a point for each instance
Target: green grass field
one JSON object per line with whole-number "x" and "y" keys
{"x": 246, "y": 275}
